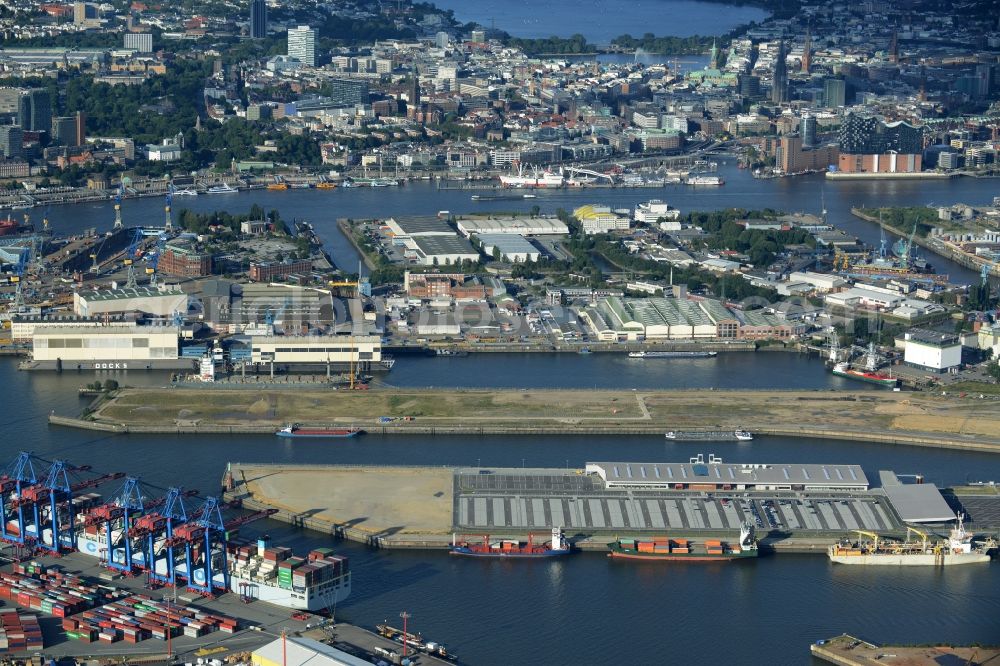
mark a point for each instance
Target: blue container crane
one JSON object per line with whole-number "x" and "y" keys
{"x": 126, "y": 506}
{"x": 18, "y": 475}
{"x": 46, "y": 499}
{"x": 159, "y": 523}
{"x": 208, "y": 529}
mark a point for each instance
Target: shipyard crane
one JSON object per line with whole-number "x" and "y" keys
{"x": 119, "y": 195}
{"x": 130, "y": 253}
{"x": 168, "y": 225}
{"x": 207, "y": 529}
{"x": 126, "y": 505}
{"x": 18, "y": 302}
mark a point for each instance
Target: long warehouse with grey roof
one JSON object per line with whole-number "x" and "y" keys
{"x": 716, "y": 475}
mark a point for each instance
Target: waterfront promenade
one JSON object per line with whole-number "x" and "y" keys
{"x": 922, "y": 419}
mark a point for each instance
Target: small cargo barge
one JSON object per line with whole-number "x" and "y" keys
{"x": 557, "y": 547}
{"x": 296, "y": 431}
{"x": 665, "y": 550}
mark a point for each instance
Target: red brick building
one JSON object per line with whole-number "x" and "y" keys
{"x": 184, "y": 260}
{"x": 265, "y": 272}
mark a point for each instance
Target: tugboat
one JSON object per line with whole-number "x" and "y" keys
{"x": 557, "y": 547}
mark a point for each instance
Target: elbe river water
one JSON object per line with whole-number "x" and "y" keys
{"x": 600, "y": 21}
{"x": 584, "y": 609}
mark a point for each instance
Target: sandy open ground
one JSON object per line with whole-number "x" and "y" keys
{"x": 370, "y": 499}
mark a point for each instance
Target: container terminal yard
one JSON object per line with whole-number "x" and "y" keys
{"x": 147, "y": 574}
{"x": 795, "y": 507}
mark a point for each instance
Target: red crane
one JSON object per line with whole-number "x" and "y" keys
{"x": 193, "y": 531}
{"x": 37, "y": 493}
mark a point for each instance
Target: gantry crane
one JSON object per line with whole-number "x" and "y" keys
{"x": 208, "y": 529}
{"x": 19, "y": 474}
{"x": 58, "y": 490}
{"x": 126, "y": 506}
{"x": 161, "y": 523}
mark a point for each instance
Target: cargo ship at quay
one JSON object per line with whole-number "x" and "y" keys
{"x": 683, "y": 550}
{"x": 557, "y": 547}
{"x": 871, "y": 549}
{"x": 139, "y": 530}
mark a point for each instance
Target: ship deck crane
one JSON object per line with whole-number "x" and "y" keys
{"x": 923, "y": 535}
{"x": 871, "y": 535}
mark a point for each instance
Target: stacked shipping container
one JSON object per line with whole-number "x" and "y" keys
{"x": 93, "y": 612}
{"x": 19, "y": 632}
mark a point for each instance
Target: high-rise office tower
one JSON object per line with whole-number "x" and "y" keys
{"x": 834, "y": 93}
{"x": 779, "y": 86}
{"x": 34, "y": 113}
{"x": 808, "y": 131}
{"x": 11, "y": 141}
{"x": 258, "y": 19}
{"x": 302, "y": 45}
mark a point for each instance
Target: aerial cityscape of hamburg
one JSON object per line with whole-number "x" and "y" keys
{"x": 423, "y": 332}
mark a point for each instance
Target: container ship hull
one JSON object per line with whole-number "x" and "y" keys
{"x": 877, "y": 378}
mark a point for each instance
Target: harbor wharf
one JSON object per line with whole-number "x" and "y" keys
{"x": 423, "y": 507}
{"x": 846, "y": 650}
{"x": 897, "y": 418}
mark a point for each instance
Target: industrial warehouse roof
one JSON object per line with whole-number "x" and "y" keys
{"x": 645, "y": 474}
{"x": 647, "y": 312}
{"x": 304, "y": 652}
{"x": 931, "y": 338}
{"x": 128, "y": 293}
{"x": 444, "y": 245}
{"x": 533, "y": 226}
{"x": 415, "y": 226}
{"x": 916, "y": 502}
{"x": 509, "y": 244}
{"x": 108, "y": 329}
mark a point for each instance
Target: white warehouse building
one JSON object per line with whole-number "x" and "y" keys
{"x": 111, "y": 347}
{"x": 520, "y": 226}
{"x": 509, "y": 247}
{"x": 931, "y": 350}
{"x": 340, "y": 350}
